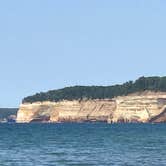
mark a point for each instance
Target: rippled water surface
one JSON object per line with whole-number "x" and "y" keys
{"x": 82, "y": 144}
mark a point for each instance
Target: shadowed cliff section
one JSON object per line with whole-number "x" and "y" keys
{"x": 159, "y": 118}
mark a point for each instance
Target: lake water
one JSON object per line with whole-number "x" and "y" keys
{"x": 82, "y": 144}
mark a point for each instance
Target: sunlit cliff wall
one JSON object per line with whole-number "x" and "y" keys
{"x": 139, "y": 107}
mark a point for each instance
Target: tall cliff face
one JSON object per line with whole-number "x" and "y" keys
{"x": 91, "y": 110}
{"x": 138, "y": 108}
{"x": 143, "y": 107}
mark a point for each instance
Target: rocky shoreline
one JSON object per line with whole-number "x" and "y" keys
{"x": 145, "y": 107}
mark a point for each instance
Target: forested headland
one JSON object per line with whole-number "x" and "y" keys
{"x": 100, "y": 92}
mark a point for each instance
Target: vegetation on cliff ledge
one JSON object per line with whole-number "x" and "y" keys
{"x": 100, "y": 92}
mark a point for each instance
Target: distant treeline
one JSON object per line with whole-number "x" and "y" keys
{"x": 100, "y": 92}
{"x": 5, "y": 112}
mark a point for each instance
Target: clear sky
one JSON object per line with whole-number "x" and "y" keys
{"x": 51, "y": 44}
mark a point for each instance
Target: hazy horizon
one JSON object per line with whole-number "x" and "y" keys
{"x": 47, "y": 45}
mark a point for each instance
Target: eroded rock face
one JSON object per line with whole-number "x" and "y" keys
{"x": 140, "y": 107}
{"x": 91, "y": 110}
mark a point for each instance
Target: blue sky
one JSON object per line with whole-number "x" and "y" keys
{"x": 50, "y": 44}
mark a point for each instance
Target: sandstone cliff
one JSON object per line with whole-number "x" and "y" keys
{"x": 138, "y": 107}
{"x": 91, "y": 110}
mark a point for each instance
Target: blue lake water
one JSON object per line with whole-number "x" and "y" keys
{"x": 82, "y": 144}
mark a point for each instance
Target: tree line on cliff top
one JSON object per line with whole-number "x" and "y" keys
{"x": 100, "y": 92}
